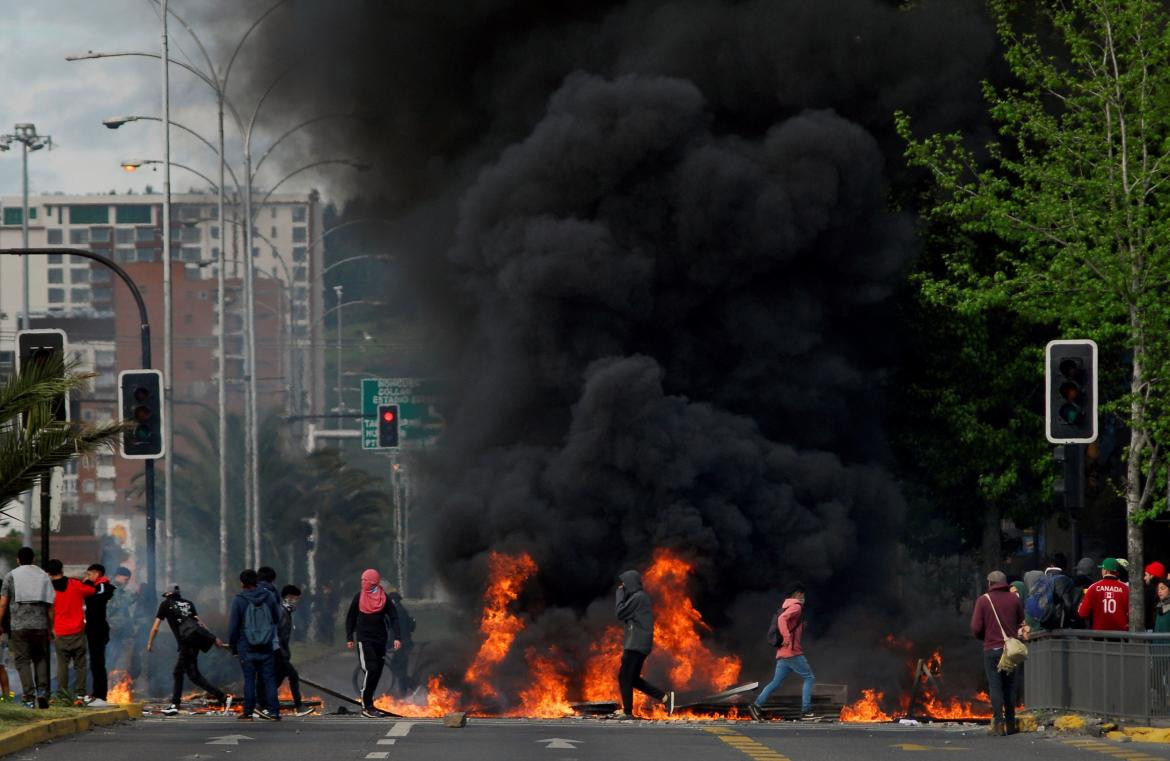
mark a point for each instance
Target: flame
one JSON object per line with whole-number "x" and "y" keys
{"x": 440, "y": 700}
{"x": 121, "y": 691}
{"x": 874, "y": 707}
{"x": 867, "y": 709}
{"x": 547, "y": 696}
{"x": 506, "y": 577}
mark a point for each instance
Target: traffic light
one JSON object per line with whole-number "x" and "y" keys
{"x": 40, "y": 348}
{"x": 140, "y": 399}
{"x": 1070, "y": 393}
{"x": 387, "y": 425}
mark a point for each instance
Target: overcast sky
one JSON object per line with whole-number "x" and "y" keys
{"x": 69, "y": 100}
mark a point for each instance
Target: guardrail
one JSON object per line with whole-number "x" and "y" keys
{"x": 1125, "y": 675}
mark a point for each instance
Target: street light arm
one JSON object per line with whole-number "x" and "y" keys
{"x": 192, "y": 170}
{"x": 259, "y": 105}
{"x": 305, "y": 168}
{"x": 188, "y": 130}
{"x": 239, "y": 45}
{"x": 92, "y": 56}
{"x": 335, "y": 307}
{"x": 306, "y": 123}
{"x": 190, "y": 31}
{"x": 343, "y": 225}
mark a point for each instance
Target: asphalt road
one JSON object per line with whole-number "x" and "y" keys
{"x": 327, "y": 738}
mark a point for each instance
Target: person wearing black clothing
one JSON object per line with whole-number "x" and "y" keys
{"x": 370, "y": 623}
{"x": 633, "y": 608}
{"x": 400, "y": 658}
{"x": 289, "y": 597}
{"x": 266, "y": 580}
{"x": 97, "y": 631}
{"x": 175, "y": 611}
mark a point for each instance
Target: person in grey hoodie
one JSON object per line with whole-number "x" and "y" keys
{"x": 636, "y": 613}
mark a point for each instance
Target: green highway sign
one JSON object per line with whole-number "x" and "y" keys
{"x": 418, "y": 399}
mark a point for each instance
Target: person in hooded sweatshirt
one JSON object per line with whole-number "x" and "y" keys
{"x": 255, "y": 649}
{"x": 636, "y": 613}
{"x": 372, "y": 622}
{"x": 266, "y": 580}
{"x": 789, "y": 655}
{"x": 69, "y": 629}
{"x": 97, "y": 632}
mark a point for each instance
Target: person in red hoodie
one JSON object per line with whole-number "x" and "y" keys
{"x": 1106, "y": 602}
{"x": 997, "y": 613}
{"x": 69, "y": 629}
{"x": 789, "y": 655}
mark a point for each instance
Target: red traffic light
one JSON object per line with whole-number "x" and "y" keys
{"x": 388, "y": 416}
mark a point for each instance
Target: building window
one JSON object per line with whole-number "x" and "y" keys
{"x": 215, "y": 232}
{"x": 300, "y": 213}
{"x": 79, "y": 295}
{"x": 55, "y": 235}
{"x": 56, "y": 295}
{"x": 149, "y": 255}
{"x": 190, "y": 254}
{"x": 124, "y": 235}
{"x": 176, "y": 232}
{"x": 79, "y": 235}
{"x": 55, "y": 258}
{"x": 189, "y": 234}
{"x": 103, "y": 294}
{"x": 56, "y": 275}
{"x": 273, "y": 210}
{"x": 79, "y": 275}
{"x": 190, "y": 212}
{"x": 99, "y": 234}
{"x": 300, "y": 254}
{"x": 300, "y": 273}
{"x": 300, "y": 293}
{"x": 299, "y": 312}
{"x": 13, "y": 214}
{"x": 124, "y": 255}
{"x": 273, "y": 232}
{"x": 100, "y": 275}
{"x": 132, "y": 214}
{"x": 300, "y": 235}
{"x": 89, "y": 215}
{"x": 145, "y": 234}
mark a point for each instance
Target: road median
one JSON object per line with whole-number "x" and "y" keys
{"x": 38, "y": 732}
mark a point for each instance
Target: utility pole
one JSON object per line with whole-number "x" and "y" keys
{"x": 337, "y": 289}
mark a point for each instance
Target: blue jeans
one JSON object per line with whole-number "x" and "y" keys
{"x": 264, "y": 664}
{"x": 796, "y": 665}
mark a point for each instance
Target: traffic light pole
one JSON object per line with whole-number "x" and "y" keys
{"x": 144, "y": 332}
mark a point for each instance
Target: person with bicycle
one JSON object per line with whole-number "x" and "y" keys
{"x": 371, "y": 624}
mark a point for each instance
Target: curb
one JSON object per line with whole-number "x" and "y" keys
{"x": 50, "y": 729}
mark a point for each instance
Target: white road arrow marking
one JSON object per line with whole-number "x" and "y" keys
{"x": 559, "y": 743}
{"x": 227, "y": 740}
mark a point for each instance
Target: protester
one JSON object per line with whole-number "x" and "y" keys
{"x": 996, "y": 613}
{"x": 370, "y": 618}
{"x": 1085, "y": 573}
{"x": 1051, "y": 601}
{"x": 266, "y": 580}
{"x": 27, "y": 594}
{"x": 400, "y": 658}
{"x": 1162, "y": 606}
{"x": 69, "y": 630}
{"x": 789, "y": 655}
{"x": 1106, "y": 602}
{"x": 97, "y": 632}
{"x": 181, "y": 616}
{"x": 636, "y": 613}
{"x": 290, "y": 596}
{"x": 252, "y": 636}
{"x": 125, "y": 617}
{"x": 1153, "y": 572}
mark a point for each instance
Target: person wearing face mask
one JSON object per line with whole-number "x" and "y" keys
{"x": 69, "y": 630}
{"x": 289, "y": 597}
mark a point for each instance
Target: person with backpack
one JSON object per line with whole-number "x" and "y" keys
{"x": 400, "y": 658}
{"x": 181, "y": 616}
{"x": 785, "y": 633}
{"x": 370, "y": 624}
{"x": 1052, "y": 600}
{"x": 252, "y": 635}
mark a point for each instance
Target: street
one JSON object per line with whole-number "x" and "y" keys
{"x": 338, "y": 737}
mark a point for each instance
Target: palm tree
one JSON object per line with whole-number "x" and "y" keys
{"x": 31, "y": 442}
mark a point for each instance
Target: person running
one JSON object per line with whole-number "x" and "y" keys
{"x": 290, "y": 596}
{"x": 69, "y": 630}
{"x": 789, "y": 655}
{"x": 371, "y": 622}
{"x": 635, "y": 611}
{"x": 27, "y": 593}
{"x": 252, "y": 636}
{"x": 181, "y": 616}
{"x": 97, "y": 632}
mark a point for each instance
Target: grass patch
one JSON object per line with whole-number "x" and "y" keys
{"x": 15, "y": 715}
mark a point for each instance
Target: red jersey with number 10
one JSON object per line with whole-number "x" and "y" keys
{"x": 1106, "y": 605}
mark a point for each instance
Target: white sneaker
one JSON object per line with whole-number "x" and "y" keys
{"x": 171, "y": 710}
{"x": 97, "y": 703}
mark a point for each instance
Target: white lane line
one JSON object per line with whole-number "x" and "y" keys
{"x": 400, "y": 729}
{"x": 378, "y": 754}
{"x": 387, "y": 742}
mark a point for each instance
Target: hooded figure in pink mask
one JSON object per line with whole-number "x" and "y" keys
{"x": 371, "y": 625}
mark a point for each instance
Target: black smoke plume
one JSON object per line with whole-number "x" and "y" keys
{"x": 658, "y": 239}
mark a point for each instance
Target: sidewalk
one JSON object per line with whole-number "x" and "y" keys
{"x": 36, "y": 732}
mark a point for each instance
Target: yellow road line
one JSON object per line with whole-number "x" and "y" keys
{"x": 1108, "y": 749}
{"x": 746, "y": 745}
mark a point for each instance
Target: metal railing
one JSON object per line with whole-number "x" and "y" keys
{"x": 1124, "y": 675}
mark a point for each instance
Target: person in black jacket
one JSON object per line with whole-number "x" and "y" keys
{"x": 369, "y": 625}
{"x": 289, "y": 597}
{"x": 636, "y": 613}
{"x": 400, "y": 658}
{"x": 97, "y": 632}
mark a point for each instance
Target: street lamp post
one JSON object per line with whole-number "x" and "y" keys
{"x": 337, "y": 289}
{"x": 168, "y": 312}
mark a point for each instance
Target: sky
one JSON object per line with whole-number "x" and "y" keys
{"x": 69, "y": 100}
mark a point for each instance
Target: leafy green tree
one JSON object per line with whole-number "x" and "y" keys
{"x": 32, "y": 447}
{"x": 1070, "y": 206}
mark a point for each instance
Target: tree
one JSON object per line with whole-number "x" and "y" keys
{"x": 1074, "y": 197}
{"x": 30, "y": 447}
